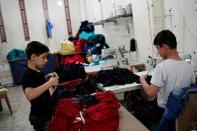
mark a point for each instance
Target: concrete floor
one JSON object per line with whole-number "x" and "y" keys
{"x": 18, "y": 121}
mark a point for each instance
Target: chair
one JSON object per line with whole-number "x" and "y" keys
{"x": 176, "y": 106}
{"x": 3, "y": 94}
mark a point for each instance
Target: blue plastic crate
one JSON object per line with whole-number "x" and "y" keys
{"x": 18, "y": 68}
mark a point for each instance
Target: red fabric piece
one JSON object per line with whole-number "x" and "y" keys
{"x": 73, "y": 59}
{"x": 64, "y": 116}
{"x": 80, "y": 44}
{"x": 103, "y": 116}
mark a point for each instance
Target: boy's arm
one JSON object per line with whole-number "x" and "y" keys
{"x": 151, "y": 90}
{"x": 32, "y": 93}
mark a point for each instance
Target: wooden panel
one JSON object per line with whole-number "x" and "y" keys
{"x": 24, "y": 19}
{"x": 189, "y": 114}
{"x": 2, "y": 28}
{"x": 46, "y": 15}
{"x": 68, "y": 20}
{"x": 45, "y": 7}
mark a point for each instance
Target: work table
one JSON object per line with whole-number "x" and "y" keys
{"x": 128, "y": 122}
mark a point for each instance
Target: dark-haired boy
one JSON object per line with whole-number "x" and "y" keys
{"x": 171, "y": 74}
{"x": 35, "y": 86}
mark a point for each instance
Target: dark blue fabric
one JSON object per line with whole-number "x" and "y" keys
{"x": 88, "y": 49}
{"x": 49, "y": 29}
{"x": 18, "y": 68}
{"x": 86, "y": 26}
{"x": 175, "y": 106}
{"x": 95, "y": 44}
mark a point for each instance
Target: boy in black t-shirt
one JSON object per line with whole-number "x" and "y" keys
{"x": 35, "y": 86}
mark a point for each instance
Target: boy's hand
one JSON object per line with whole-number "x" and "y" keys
{"x": 48, "y": 76}
{"x": 143, "y": 78}
{"x": 54, "y": 81}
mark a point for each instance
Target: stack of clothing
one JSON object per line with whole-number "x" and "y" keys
{"x": 87, "y": 113}
{"x": 95, "y": 44}
{"x": 116, "y": 76}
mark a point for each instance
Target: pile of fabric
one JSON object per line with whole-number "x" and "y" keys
{"x": 98, "y": 114}
{"x": 73, "y": 52}
{"x": 85, "y": 44}
{"x": 95, "y": 44}
{"x": 70, "y": 72}
{"x": 116, "y": 76}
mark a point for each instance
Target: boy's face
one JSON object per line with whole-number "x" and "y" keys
{"x": 41, "y": 60}
{"x": 162, "y": 50}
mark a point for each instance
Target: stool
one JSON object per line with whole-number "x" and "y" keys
{"x": 3, "y": 94}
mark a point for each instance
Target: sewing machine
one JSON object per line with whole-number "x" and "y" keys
{"x": 151, "y": 63}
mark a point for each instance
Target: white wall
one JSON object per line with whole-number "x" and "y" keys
{"x": 58, "y": 19}
{"x": 142, "y": 28}
{"x": 36, "y": 23}
{"x": 82, "y": 13}
{"x": 182, "y": 20}
{"x": 158, "y": 15}
{"x": 75, "y": 15}
{"x": 13, "y": 27}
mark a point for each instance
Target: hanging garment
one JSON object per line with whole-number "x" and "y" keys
{"x": 49, "y": 29}
{"x": 132, "y": 45}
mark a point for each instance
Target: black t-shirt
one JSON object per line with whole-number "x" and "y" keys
{"x": 40, "y": 105}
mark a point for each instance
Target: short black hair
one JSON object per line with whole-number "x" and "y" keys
{"x": 166, "y": 37}
{"x": 35, "y": 47}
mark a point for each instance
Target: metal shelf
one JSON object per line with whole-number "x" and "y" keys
{"x": 112, "y": 19}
